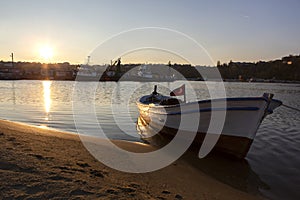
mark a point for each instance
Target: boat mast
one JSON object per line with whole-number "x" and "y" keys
{"x": 88, "y": 60}
{"x": 169, "y": 64}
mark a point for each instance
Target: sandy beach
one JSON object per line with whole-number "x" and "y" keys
{"x": 39, "y": 163}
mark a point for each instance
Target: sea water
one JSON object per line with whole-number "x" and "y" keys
{"x": 271, "y": 168}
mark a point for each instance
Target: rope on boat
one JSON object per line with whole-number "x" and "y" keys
{"x": 290, "y": 107}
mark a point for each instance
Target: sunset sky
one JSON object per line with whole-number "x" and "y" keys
{"x": 61, "y": 30}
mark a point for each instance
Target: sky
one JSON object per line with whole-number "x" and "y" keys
{"x": 237, "y": 30}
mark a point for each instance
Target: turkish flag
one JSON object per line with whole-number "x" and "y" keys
{"x": 178, "y": 91}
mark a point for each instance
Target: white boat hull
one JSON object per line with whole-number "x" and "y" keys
{"x": 242, "y": 117}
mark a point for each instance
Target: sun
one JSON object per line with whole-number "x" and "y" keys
{"x": 46, "y": 52}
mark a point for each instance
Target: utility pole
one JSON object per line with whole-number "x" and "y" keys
{"x": 12, "y": 59}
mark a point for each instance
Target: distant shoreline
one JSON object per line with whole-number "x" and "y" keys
{"x": 227, "y": 80}
{"x": 284, "y": 70}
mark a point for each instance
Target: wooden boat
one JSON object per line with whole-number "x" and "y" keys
{"x": 160, "y": 118}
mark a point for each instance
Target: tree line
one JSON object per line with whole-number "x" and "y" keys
{"x": 286, "y": 68}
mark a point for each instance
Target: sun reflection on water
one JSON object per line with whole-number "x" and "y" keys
{"x": 47, "y": 97}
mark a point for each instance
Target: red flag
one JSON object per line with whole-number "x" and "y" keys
{"x": 178, "y": 91}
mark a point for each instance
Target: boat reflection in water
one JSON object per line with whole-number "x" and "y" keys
{"x": 229, "y": 170}
{"x": 233, "y": 172}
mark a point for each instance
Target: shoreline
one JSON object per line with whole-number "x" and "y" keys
{"x": 133, "y": 80}
{"x": 44, "y": 163}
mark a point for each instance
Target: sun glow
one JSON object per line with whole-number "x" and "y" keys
{"x": 46, "y": 52}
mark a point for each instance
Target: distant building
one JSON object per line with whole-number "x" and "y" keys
{"x": 9, "y": 72}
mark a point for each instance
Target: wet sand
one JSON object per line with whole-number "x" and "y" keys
{"x": 37, "y": 163}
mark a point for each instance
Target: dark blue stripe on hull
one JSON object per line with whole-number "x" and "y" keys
{"x": 212, "y": 109}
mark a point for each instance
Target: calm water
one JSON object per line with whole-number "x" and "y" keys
{"x": 272, "y": 167}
